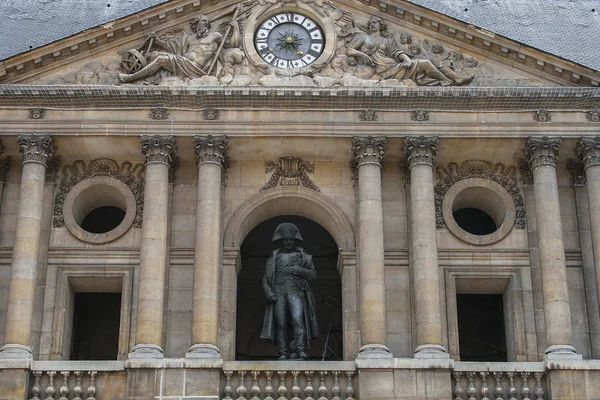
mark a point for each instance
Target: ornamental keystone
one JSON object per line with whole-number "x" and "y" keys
{"x": 211, "y": 149}
{"x": 367, "y": 150}
{"x": 420, "y": 150}
{"x": 542, "y": 151}
{"x": 158, "y": 149}
{"x": 588, "y": 151}
{"x": 35, "y": 149}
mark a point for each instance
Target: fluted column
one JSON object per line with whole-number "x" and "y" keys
{"x": 542, "y": 153}
{"x": 158, "y": 151}
{"x": 420, "y": 153}
{"x": 35, "y": 152}
{"x": 367, "y": 155}
{"x": 211, "y": 155}
{"x": 588, "y": 150}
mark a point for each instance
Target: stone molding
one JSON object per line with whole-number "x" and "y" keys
{"x": 576, "y": 169}
{"x": 131, "y": 175}
{"x": 289, "y": 171}
{"x": 35, "y": 148}
{"x": 211, "y": 150}
{"x": 420, "y": 150}
{"x": 158, "y": 149}
{"x": 542, "y": 151}
{"x": 588, "y": 151}
{"x": 367, "y": 150}
{"x": 506, "y": 176}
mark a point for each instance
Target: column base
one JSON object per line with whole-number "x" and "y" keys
{"x": 431, "y": 351}
{"x": 370, "y": 351}
{"x": 203, "y": 351}
{"x": 561, "y": 352}
{"x": 15, "y": 352}
{"x": 144, "y": 351}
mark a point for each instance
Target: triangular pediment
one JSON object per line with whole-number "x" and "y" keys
{"x": 394, "y": 44}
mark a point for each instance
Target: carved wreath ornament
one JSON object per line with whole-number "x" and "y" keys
{"x": 129, "y": 174}
{"x": 505, "y": 176}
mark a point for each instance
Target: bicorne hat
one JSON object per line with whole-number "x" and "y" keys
{"x": 286, "y": 230}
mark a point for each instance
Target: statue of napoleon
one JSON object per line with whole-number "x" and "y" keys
{"x": 290, "y": 301}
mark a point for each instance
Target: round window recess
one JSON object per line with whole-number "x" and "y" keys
{"x": 478, "y": 211}
{"x": 99, "y": 209}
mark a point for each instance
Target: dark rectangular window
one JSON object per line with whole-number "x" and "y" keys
{"x": 481, "y": 331}
{"x": 96, "y": 321}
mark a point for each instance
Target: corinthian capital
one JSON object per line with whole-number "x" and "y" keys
{"x": 420, "y": 150}
{"x": 34, "y": 148}
{"x": 158, "y": 149}
{"x": 367, "y": 150}
{"x": 211, "y": 149}
{"x": 542, "y": 151}
{"x": 588, "y": 150}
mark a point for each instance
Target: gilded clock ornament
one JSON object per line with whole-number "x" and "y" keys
{"x": 289, "y": 40}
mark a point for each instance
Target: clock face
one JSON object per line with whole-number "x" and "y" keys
{"x": 289, "y": 40}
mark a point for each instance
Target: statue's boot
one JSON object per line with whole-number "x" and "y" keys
{"x": 284, "y": 353}
{"x": 300, "y": 347}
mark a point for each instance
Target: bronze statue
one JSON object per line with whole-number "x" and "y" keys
{"x": 375, "y": 50}
{"x": 192, "y": 55}
{"x": 290, "y": 301}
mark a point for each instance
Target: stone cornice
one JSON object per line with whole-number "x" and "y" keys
{"x": 212, "y": 150}
{"x": 420, "y": 150}
{"x": 367, "y": 150}
{"x": 158, "y": 149}
{"x": 588, "y": 151}
{"x": 196, "y": 98}
{"x": 542, "y": 151}
{"x": 35, "y": 148}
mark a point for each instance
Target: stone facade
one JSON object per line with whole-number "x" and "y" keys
{"x": 382, "y": 164}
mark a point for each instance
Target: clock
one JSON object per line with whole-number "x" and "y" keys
{"x": 289, "y": 40}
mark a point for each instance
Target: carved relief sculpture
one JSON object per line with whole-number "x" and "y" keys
{"x": 289, "y": 171}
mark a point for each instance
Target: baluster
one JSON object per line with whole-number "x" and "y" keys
{"x": 51, "y": 390}
{"x": 282, "y": 389}
{"x": 525, "y": 391}
{"x": 323, "y": 392}
{"x": 36, "y": 390}
{"x": 485, "y": 391}
{"x": 335, "y": 390}
{"x": 255, "y": 389}
{"x": 539, "y": 389}
{"x": 471, "y": 391}
{"x": 498, "y": 391}
{"x": 296, "y": 386}
{"x": 91, "y": 390}
{"x": 512, "y": 390}
{"x": 458, "y": 390}
{"x": 64, "y": 389}
{"x": 228, "y": 390}
{"x": 78, "y": 389}
{"x": 309, "y": 390}
{"x": 241, "y": 390}
{"x": 269, "y": 386}
{"x": 350, "y": 388}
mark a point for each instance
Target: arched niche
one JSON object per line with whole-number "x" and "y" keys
{"x": 290, "y": 201}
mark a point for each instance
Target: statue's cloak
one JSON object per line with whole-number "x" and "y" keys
{"x": 310, "y": 310}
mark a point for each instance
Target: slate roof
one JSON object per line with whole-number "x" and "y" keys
{"x": 565, "y": 28}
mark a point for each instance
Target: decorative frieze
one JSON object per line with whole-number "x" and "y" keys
{"x": 368, "y": 115}
{"x": 211, "y": 114}
{"x": 53, "y": 168}
{"x": 419, "y": 115}
{"x": 588, "y": 151}
{"x": 593, "y": 115}
{"x": 542, "y": 151}
{"x": 158, "y": 148}
{"x": 420, "y": 150}
{"x": 542, "y": 116}
{"x": 5, "y": 164}
{"x": 159, "y": 113}
{"x": 289, "y": 171}
{"x": 211, "y": 149}
{"x": 575, "y": 168}
{"x": 505, "y": 176}
{"x": 36, "y": 113}
{"x": 367, "y": 150}
{"x": 35, "y": 148}
{"x": 72, "y": 174}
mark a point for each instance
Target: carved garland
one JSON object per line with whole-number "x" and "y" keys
{"x": 505, "y": 176}
{"x": 129, "y": 174}
{"x": 289, "y": 171}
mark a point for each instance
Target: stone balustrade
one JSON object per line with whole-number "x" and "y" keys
{"x": 74, "y": 380}
{"x": 295, "y": 380}
{"x": 499, "y": 381}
